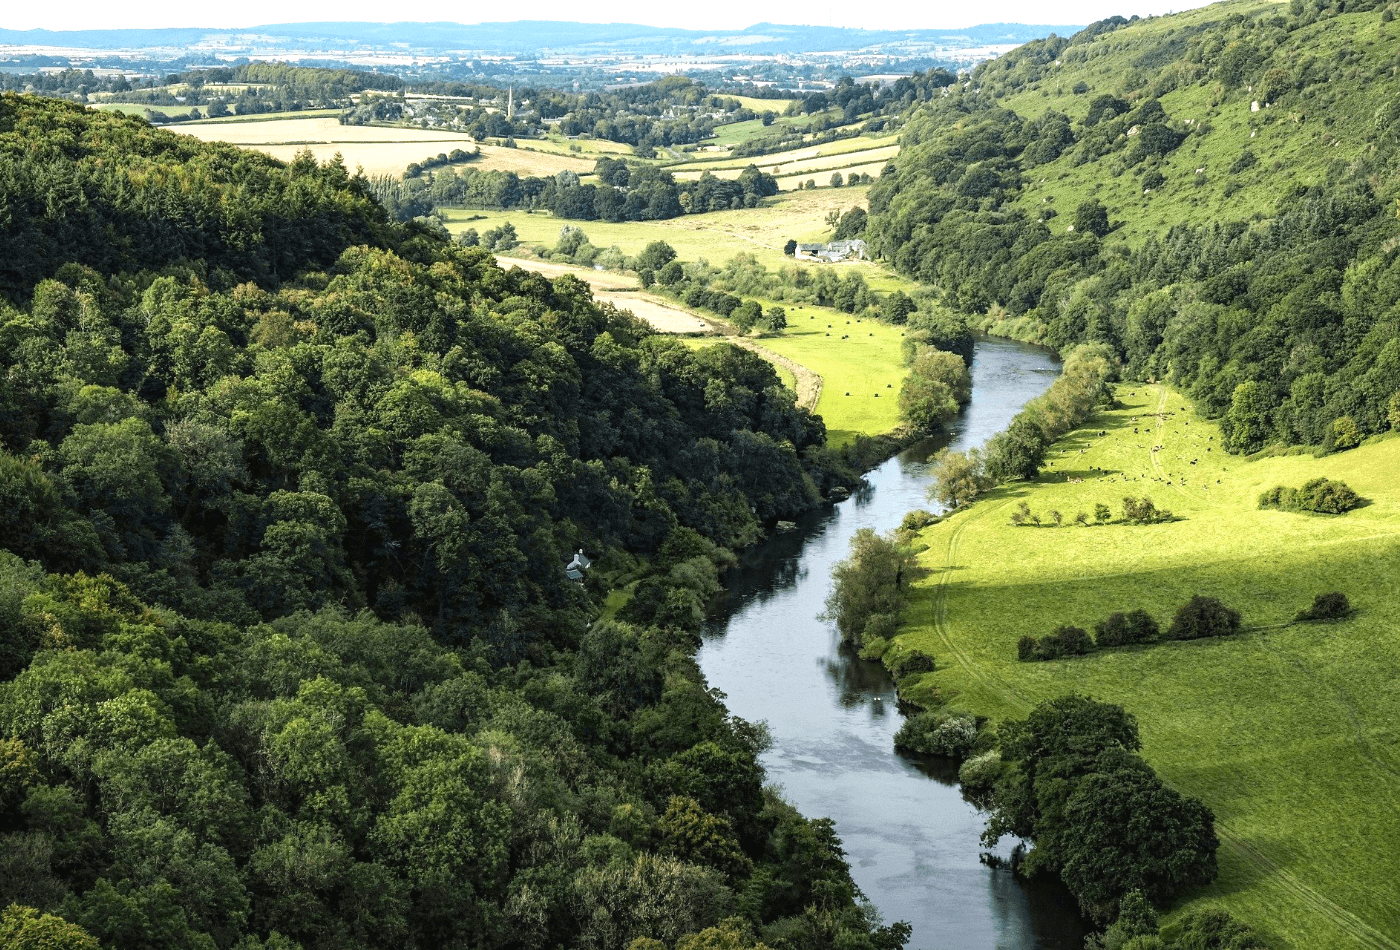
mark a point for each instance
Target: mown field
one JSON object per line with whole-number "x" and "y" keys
{"x": 378, "y": 150}
{"x": 1288, "y": 731}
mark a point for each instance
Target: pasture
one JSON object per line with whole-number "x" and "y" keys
{"x": 861, "y": 375}
{"x": 716, "y": 236}
{"x": 1287, "y": 731}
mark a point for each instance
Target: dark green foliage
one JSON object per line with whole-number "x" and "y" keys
{"x": 296, "y": 662}
{"x": 909, "y": 663}
{"x": 1119, "y": 629}
{"x": 1203, "y": 617}
{"x": 851, "y": 225}
{"x": 1064, "y": 641}
{"x": 1097, "y": 813}
{"x": 1331, "y": 606}
{"x": 872, "y": 581}
{"x": 1320, "y": 495}
{"x": 1017, "y": 452}
{"x": 939, "y": 732}
{"x": 1211, "y": 929}
{"x": 116, "y": 195}
{"x": 1091, "y": 217}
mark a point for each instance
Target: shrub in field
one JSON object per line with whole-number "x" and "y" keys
{"x": 1333, "y": 606}
{"x": 1102, "y": 513}
{"x": 1320, "y": 495}
{"x": 1143, "y": 511}
{"x": 911, "y": 662}
{"x": 1136, "y": 626}
{"x": 938, "y": 733}
{"x": 1065, "y": 641}
{"x": 1203, "y": 617}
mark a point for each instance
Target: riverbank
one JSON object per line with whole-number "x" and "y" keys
{"x": 910, "y": 837}
{"x": 1287, "y": 733}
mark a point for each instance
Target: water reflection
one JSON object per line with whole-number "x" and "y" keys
{"x": 913, "y": 843}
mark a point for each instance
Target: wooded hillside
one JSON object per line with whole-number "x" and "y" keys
{"x": 1213, "y": 194}
{"x": 288, "y": 656}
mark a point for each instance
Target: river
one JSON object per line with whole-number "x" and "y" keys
{"x": 911, "y": 838}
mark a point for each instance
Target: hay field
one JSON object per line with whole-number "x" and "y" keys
{"x": 1287, "y": 731}
{"x": 378, "y": 150}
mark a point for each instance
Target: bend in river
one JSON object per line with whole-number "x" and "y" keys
{"x": 911, "y": 838}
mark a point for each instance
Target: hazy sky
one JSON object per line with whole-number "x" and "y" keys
{"x": 713, "y": 14}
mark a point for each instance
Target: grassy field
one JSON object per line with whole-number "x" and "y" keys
{"x": 861, "y": 375}
{"x": 807, "y": 154}
{"x": 717, "y": 236}
{"x": 1288, "y": 731}
{"x": 379, "y": 150}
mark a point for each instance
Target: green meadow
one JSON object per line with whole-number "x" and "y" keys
{"x": 1289, "y": 732}
{"x": 716, "y": 236}
{"x": 861, "y": 375}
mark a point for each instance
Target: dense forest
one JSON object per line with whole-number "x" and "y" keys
{"x": 288, "y": 653}
{"x": 1264, "y": 276}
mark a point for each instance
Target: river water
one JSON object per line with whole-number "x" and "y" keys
{"x": 910, "y": 837}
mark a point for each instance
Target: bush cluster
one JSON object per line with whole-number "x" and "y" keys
{"x": 1143, "y": 511}
{"x": 1120, "y": 629}
{"x": 1333, "y": 606}
{"x": 909, "y": 663}
{"x": 1321, "y": 495}
{"x": 939, "y": 732}
{"x": 1065, "y": 641}
{"x": 1203, "y": 617}
{"x": 1199, "y": 617}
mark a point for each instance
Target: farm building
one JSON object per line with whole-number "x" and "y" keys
{"x": 834, "y": 251}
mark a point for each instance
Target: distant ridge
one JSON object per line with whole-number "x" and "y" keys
{"x": 532, "y": 35}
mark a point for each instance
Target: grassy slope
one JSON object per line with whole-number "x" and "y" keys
{"x": 1288, "y": 732}
{"x": 1294, "y": 140}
